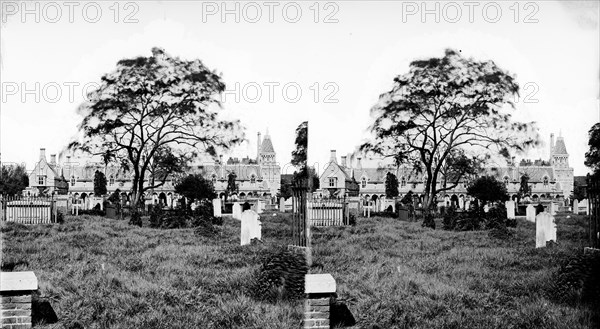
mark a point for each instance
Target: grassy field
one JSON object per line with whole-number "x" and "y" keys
{"x": 102, "y": 273}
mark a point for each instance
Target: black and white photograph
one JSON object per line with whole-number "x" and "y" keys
{"x": 300, "y": 164}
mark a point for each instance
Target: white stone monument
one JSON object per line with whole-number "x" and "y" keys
{"x": 236, "y": 211}
{"x": 216, "y": 207}
{"x": 510, "y": 209}
{"x": 467, "y": 204}
{"x": 530, "y": 213}
{"x": 552, "y": 208}
{"x": 575, "y": 206}
{"x": 486, "y": 208}
{"x": 250, "y": 227}
{"x": 545, "y": 229}
{"x": 461, "y": 203}
{"x": 282, "y": 205}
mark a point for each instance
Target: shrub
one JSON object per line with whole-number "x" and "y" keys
{"x": 281, "y": 276}
{"x": 93, "y": 212}
{"x": 60, "y": 217}
{"x": 578, "y": 280}
{"x": 136, "y": 218}
{"x": 352, "y": 219}
{"x": 384, "y": 214}
{"x": 428, "y": 221}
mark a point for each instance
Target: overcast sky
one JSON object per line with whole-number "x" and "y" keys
{"x": 341, "y": 56}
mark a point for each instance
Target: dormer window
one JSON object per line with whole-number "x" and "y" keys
{"x": 252, "y": 179}
{"x": 331, "y": 181}
{"x": 506, "y": 180}
{"x": 111, "y": 181}
{"x": 214, "y": 179}
{"x": 72, "y": 180}
{"x": 545, "y": 181}
{"x": 363, "y": 182}
{"x": 403, "y": 182}
{"x": 41, "y": 180}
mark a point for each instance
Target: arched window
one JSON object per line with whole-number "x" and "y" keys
{"x": 72, "y": 180}
{"x": 252, "y": 179}
{"x": 545, "y": 181}
{"x": 111, "y": 181}
{"x": 506, "y": 180}
{"x": 403, "y": 181}
{"x": 363, "y": 182}
{"x": 214, "y": 179}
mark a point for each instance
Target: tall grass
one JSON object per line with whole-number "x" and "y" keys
{"x": 103, "y": 273}
{"x": 399, "y": 275}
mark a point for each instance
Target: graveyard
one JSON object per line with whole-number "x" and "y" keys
{"x": 103, "y": 273}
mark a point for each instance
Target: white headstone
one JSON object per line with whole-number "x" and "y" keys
{"x": 486, "y": 208}
{"x": 530, "y": 213}
{"x": 552, "y": 207}
{"x": 260, "y": 206}
{"x": 461, "y": 203}
{"x": 250, "y": 227}
{"x": 584, "y": 206}
{"x": 510, "y": 209}
{"x": 545, "y": 229}
{"x": 575, "y": 206}
{"x": 282, "y": 205}
{"x": 540, "y": 229}
{"x": 467, "y": 204}
{"x": 216, "y": 207}
{"x": 237, "y": 211}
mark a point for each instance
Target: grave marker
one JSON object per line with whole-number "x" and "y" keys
{"x": 575, "y": 206}
{"x": 510, "y": 209}
{"x": 530, "y": 212}
{"x": 250, "y": 228}
{"x": 216, "y": 207}
{"x": 237, "y": 211}
{"x": 545, "y": 229}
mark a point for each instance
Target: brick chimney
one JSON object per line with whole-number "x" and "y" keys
{"x": 344, "y": 161}
{"x": 358, "y": 164}
{"x": 43, "y": 154}
{"x": 53, "y": 159}
{"x": 333, "y": 157}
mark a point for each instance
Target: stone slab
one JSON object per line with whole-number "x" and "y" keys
{"x": 319, "y": 284}
{"x": 16, "y": 281}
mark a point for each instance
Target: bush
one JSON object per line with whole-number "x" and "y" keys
{"x": 428, "y": 221}
{"x": 461, "y": 221}
{"x": 578, "y": 280}
{"x": 352, "y": 219}
{"x": 281, "y": 276}
{"x": 384, "y": 214}
{"x": 60, "y": 217}
{"x": 136, "y": 218}
{"x": 93, "y": 212}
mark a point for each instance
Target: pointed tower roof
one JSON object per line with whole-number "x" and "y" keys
{"x": 266, "y": 145}
{"x": 559, "y": 147}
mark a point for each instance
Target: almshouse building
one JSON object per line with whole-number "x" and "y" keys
{"x": 548, "y": 179}
{"x": 260, "y": 177}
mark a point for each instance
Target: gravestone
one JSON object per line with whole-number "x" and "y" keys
{"x": 237, "y": 211}
{"x": 575, "y": 206}
{"x": 510, "y": 209}
{"x": 530, "y": 212}
{"x": 467, "y": 204}
{"x": 486, "y": 208}
{"x": 216, "y": 207}
{"x": 461, "y": 203}
{"x": 545, "y": 229}
{"x": 552, "y": 208}
{"x": 260, "y": 205}
{"x": 584, "y": 206}
{"x": 250, "y": 228}
{"x": 281, "y": 205}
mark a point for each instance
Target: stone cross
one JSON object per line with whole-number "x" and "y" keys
{"x": 510, "y": 209}
{"x": 216, "y": 207}
{"x": 530, "y": 213}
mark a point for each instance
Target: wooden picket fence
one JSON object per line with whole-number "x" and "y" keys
{"x": 328, "y": 212}
{"x": 28, "y": 210}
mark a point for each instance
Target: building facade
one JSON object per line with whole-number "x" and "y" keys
{"x": 258, "y": 177}
{"x": 547, "y": 179}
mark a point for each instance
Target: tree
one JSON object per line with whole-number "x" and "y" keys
{"x": 524, "y": 188}
{"x": 152, "y": 109}
{"x": 13, "y": 180}
{"x": 195, "y": 187}
{"x": 444, "y": 106}
{"x": 488, "y": 189}
{"x": 232, "y": 187}
{"x": 592, "y": 156}
{"x": 299, "y": 157}
{"x": 99, "y": 183}
{"x": 391, "y": 186}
